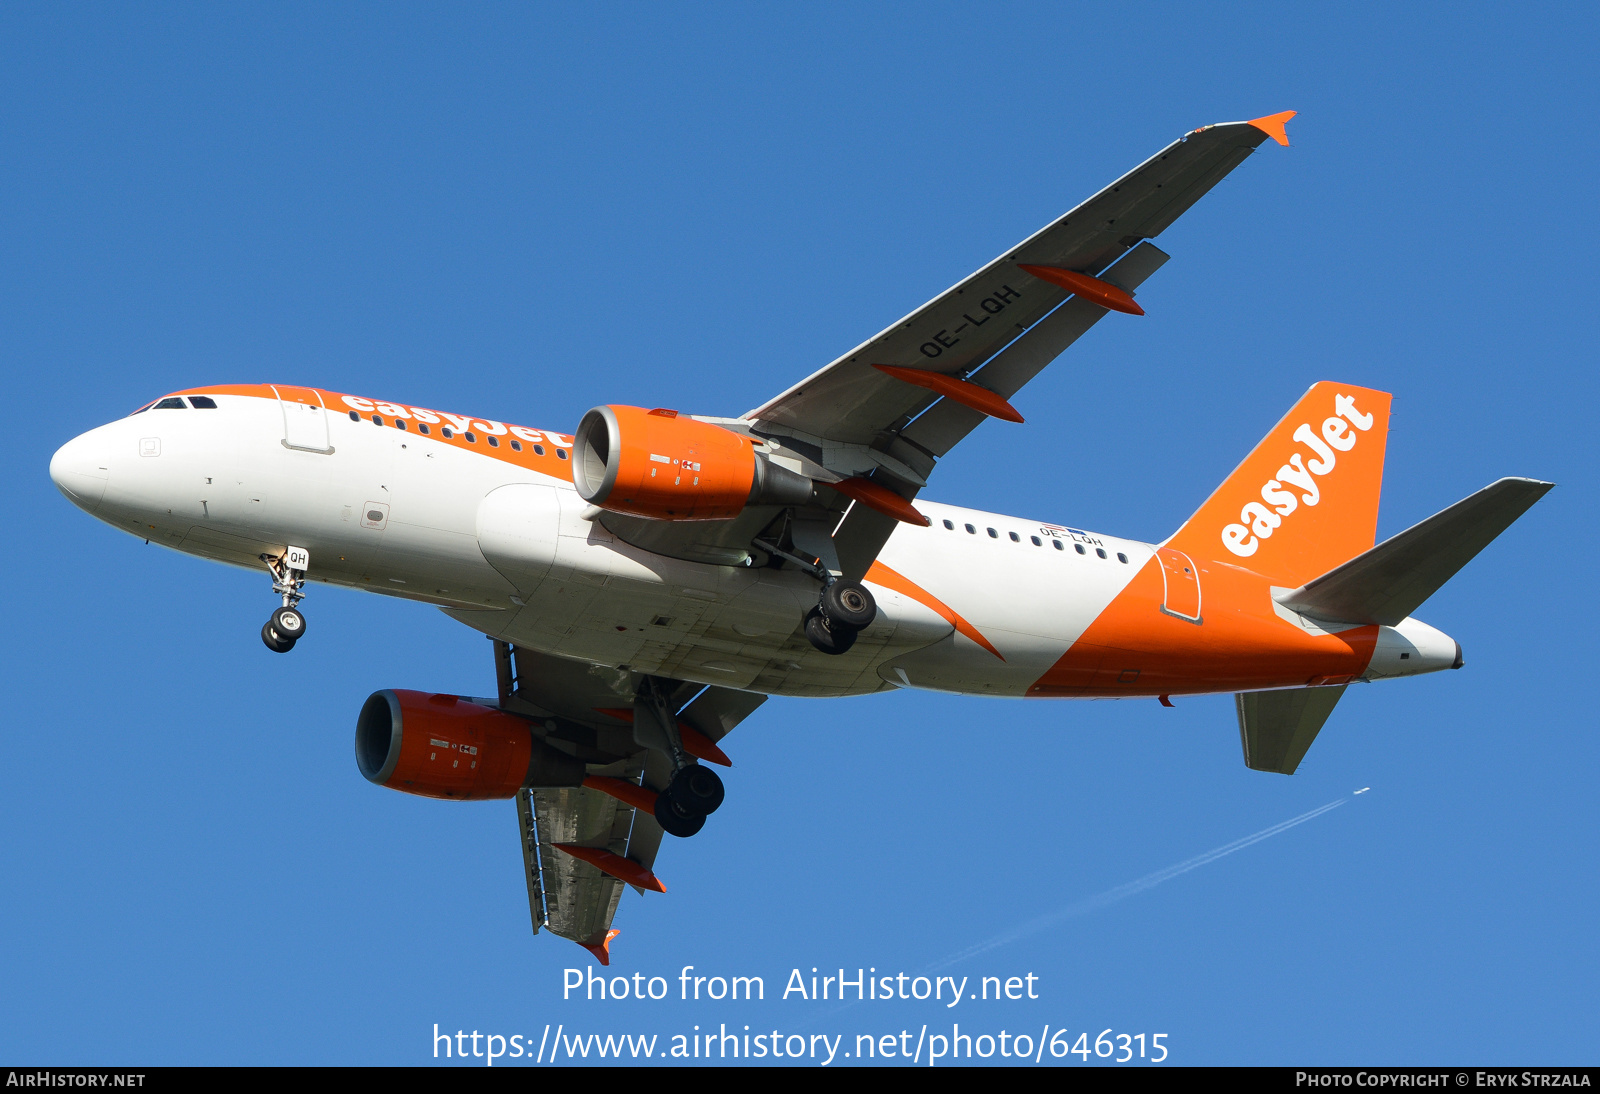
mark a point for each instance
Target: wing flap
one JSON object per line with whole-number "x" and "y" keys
{"x": 1386, "y": 584}
{"x": 580, "y": 899}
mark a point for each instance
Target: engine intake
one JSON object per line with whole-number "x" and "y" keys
{"x": 654, "y": 463}
{"x": 441, "y": 746}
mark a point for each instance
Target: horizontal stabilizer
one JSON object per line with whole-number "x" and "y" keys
{"x": 1276, "y": 727}
{"x": 1387, "y": 583}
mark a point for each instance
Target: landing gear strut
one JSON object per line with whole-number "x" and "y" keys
{"x": 695, "y": 791}
{"x": 287, "y": 626}
{"x": 844, "y": 609}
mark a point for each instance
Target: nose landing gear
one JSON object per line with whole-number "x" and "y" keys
{"x": 287, "y": 626}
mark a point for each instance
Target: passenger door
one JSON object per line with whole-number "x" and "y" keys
{"x": 305, "y": 419}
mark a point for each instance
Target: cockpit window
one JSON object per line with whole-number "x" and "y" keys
{"x": 171, "y": 403}
{"x": 202, "y": 402}
{"x": 142, "y": 409}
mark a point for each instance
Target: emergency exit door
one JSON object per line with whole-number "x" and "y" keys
{"x": 1181, "y": 596}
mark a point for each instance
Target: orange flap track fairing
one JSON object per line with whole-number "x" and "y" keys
{"x": 965, "y": 392}
{"x": 1091, "y": 289}
{"x": 881, "y": 499}
{"x": 624, "y": 869}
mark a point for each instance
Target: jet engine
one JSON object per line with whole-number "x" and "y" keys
{"x": 442, "y": 746}
{"x": 654, "y": 463}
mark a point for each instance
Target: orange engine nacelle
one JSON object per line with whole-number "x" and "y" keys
{"x": 654, "y": 463}
{"x": 441, "y": 746}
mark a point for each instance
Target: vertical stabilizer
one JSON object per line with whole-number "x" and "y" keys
{"x": 1307, "y": 498}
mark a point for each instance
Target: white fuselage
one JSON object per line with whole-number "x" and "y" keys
{"x": 504, "y": 546}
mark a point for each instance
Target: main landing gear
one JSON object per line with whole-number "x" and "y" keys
{"x": 286, "y": 626}
{"x": 695, "y": 791}
{"x": 845, "y": 609}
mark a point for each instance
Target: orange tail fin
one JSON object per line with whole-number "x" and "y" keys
{"x": 1307, "y": 498}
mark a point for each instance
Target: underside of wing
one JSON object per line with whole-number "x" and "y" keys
{"x": 582, "y": 844}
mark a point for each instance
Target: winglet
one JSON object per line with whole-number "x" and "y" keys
{"x": 1273, "y": 126}
{"x": 602, "y": 949}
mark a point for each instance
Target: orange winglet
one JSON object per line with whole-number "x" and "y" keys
{"x": 964, "y": 392}
{"x": 879, "y": 574}
{"x": 695, "y": 743}
{"x": 615, "y": 865}
{"x": 628, "y": 793}
{"x": 882, "y": 499}
{"x": 1091, "y": 289}
{"x": 602, "y": 949}
{"x": 1273, "y": 126}
{"x": 1166, "y": 700}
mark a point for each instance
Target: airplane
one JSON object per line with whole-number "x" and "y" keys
{"x": 651, "y": 578}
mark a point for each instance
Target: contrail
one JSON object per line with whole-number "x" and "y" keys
{"x": 1122, "y": 892}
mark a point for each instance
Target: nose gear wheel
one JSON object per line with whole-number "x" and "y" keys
{"x": 287, "y": 625}
{"x": 275, "y": 641}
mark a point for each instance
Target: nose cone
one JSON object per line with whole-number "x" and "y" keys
{"x": 81, "y": 468}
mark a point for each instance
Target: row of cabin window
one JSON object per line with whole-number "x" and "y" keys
{"x": 446, "y": 432}
{"x": 172, "y": 402}
{"x": 1037, "y": 542}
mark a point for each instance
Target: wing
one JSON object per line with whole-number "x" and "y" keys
{"x": 581, "y": 845}
{"x": 958, "y": 359}
{"x": 961, "y": 328}
{"x": 991, "y": 333}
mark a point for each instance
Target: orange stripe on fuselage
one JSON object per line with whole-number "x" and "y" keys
{"x": 1241, "y": 644}
{"x": 337, "y": 403}
{"x": 880, "y": 574}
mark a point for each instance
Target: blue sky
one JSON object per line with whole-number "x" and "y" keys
{"x": 526, "y": 211}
